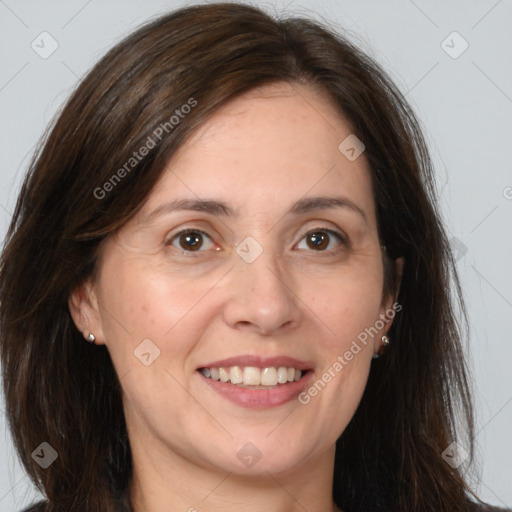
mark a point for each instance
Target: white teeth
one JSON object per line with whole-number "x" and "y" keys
{"x": 269, "y": 377}
{"x": 236, "y": 375}
{"x": 253, "y": 376}
{"x": 224, "y": 375}
{"x": 282, "y": 375}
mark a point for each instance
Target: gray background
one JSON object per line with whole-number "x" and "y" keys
{"x": 465, "y": 105}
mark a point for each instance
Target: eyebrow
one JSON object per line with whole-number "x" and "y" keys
{"x": 220, "y": 208}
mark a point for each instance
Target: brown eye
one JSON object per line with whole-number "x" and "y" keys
{"x": 320, "y": 239}
{"x": 189, "y": 240}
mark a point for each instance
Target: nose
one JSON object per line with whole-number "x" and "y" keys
{"x": 261, "y": 297}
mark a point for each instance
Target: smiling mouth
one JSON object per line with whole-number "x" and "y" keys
{"x": 253, "y": 377}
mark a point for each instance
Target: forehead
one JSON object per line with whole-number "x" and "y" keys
{"x": 286, "y": 114}
{"x": 268, "y": 147}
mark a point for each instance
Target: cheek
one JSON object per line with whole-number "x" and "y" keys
{"x": 139, "y": 304}
{"x": 142, "y": 302}
{"x": 347, "y": 306}
{"x": 148, "y": 335}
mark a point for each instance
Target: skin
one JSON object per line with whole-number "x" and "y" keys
{"x": 260, "y": 154}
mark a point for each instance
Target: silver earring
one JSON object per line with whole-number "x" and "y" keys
{"x": 382, "y": 349}
{"x": 91, "y": 338}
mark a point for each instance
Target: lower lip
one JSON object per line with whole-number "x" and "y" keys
{"x": 259, "y": 398}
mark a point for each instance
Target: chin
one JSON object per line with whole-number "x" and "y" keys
{"x": 261, "y": 453}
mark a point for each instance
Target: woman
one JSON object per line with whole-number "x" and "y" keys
{"x": 226, "y": 284}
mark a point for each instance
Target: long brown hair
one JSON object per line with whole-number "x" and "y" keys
{"x": 63, "y": 391}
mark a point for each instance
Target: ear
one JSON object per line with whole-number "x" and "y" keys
{"x": 389, "y": 307}
{"x": 84, "y": 308}
{"x": 391, "y": 300}
{"x": 399, "y": 265}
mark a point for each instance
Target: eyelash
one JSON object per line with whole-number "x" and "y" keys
{"x": 341, "y": 238}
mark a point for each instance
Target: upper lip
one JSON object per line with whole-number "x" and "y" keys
{"x": 259, "y": 362}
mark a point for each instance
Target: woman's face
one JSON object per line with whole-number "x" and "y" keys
{"x": 269, "y": 276}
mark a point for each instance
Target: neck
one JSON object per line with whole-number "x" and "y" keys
{"x": 171, "y": 482}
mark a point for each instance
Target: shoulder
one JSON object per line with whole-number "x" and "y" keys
{"x": 40, "y": 506}
{"x": 483, "y": 507}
